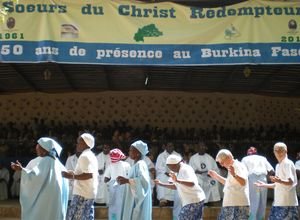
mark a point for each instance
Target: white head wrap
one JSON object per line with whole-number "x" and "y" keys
{"x": 173, "y": 159}
{"x": 88, "y": 139}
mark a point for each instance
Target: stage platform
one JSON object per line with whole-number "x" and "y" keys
{"x": 10, "y": 210}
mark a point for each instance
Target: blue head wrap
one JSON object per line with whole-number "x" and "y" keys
{"x": 141, "y": 147}
{"x": 50, "y": 145}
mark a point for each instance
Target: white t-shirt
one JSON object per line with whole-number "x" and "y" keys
{"x": 285, "y": 195}
{"x": 71, "y": 162}
{"x": 103, "y": 161}
{"x": 70, "y": 165}
{"x": 257, "y": 164}
{"x": 188, "y": 195}
{"x": 234, "y": 193}
{"x": 114, "y": 170}
{"x": 87, "y": 163}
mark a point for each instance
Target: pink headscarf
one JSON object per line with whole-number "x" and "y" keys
{"x": 116, "y": 155}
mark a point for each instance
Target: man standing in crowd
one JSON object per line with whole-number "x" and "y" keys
{"x": 15, "y": 187}
{"x": 85, "y": 179}
{"x": 202, "y": 163}
{"x": 164, "y": 195}
{"x": 103, "y": 162}
{"x": 70, "y": 166}
{"x": 258, "y": 169}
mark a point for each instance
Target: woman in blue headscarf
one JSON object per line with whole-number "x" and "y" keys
{"x": 137, "y": 200}
{"x": 44, "y": 192}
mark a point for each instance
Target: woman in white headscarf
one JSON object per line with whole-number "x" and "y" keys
{"x": 44, "y": 192}
{"x": 285, "y": 205}
{"x": 236, "y": 190}
{"x": 184, "y": 180}
{"x": 85, "y": 179}
{"x": 137, "y": 197}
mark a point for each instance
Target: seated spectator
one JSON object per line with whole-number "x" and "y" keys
{"x": 70, "y": 166}
{"x": 202, "y": 162}
{"x": 165, "y": 196}
{"x": 15, "y": 187}
{"x": 4, "y": 180}
{"x": 103, "y": 161}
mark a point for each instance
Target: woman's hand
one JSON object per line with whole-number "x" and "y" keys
{"x": 213, "y": 174}
{"x": 275, "y": 179}
{"x": 173, "y": 176}
{"x": 232, "y": 171}
{"x": 68, "y": 174}
{"x": 16, "y": 166}
{"x": 259, "y": 183}
{"x": 122, "y": 180}
{"x": 157, "y": 182}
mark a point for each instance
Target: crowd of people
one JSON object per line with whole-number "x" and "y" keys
{"x": 183, "y": 175}
{"x": 18, "y": 139}
{"x": 88, "y": 179}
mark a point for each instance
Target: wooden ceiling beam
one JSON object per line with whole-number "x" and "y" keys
{"x": 267, "y": 80}
{"x": 65, "y": 76}
{"x": 107, "y": 78}
{"x": 23, "y": 77}
{"x": 227, "y": 77}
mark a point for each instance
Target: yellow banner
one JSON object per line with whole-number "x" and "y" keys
{"x": 99, "y": 23}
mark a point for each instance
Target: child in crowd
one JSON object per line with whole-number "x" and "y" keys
{"x": 116, "y": 168}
